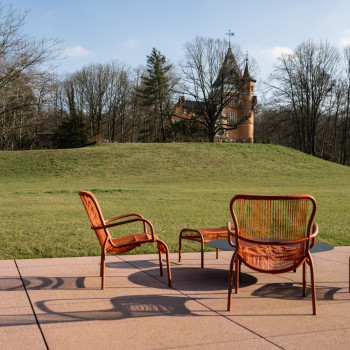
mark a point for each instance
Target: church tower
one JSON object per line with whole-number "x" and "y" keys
{"x": 239, "y": 112}
{"x": 233, "y": 93}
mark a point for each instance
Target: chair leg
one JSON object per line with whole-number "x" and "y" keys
{"x": 230, "y": 281}
{"x": 166, "y": 251}
{"x": 349, "y": 275}
{"x": 304, "y": 280}
{"x": 237, "y": 275}
{"x": 313, "y": 287}
{"x": 217, "y": 253}
{"x": 180, "y": 241}
{"x": 102, "y": 269}
{"x": 160, "y": 262}
{"x": 202, "y": 253}
{"x": 168, "y": 266}
{"x": 239, "y": 271}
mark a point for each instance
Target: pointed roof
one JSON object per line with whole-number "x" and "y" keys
{"x": 246, "y": 74}
{"x": 229, "y": 72}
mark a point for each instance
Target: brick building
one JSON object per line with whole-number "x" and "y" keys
{"x": 237, "y": 116}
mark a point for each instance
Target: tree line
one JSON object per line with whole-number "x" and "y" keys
{"x": 308, "y": 108}
{"x": 306, "y": 105}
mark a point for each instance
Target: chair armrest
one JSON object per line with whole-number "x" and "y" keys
{"x": 138, "y": 219}
{"x": 230, "y": 234}
{"x": 313, "y": 235}
{"x": 229, "y": 228}
{"x": 314, "y": 231}
{"x": 123, "y": 216}
{"x": 111, "y": 224}
{"x": 138, "y": 216}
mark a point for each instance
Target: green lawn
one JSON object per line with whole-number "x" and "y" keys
{"x": 173, "y": 185}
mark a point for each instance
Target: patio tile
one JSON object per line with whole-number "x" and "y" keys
{"x": 159, "y": 332}
{"x": 7, "y": 264}
{"x": 339, "y": 254}
{"x": 332, "y": 339}
{"x": 12, "y": 298}
{"x": 286, "y": 320}
{"x": 120, "y": 269}
{"x": 16, "y": 316}
{"x": 58, "y": 261}
{"x": 21, "y": 337}
{"x": 242, "y": 344}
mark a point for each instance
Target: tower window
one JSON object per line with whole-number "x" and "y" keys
{"x": 232, "y": 118}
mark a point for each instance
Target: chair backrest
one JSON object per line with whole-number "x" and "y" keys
{"x": 95, "y": 215}
{"x": 265, "y": 226}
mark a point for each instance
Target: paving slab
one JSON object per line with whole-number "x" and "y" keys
{"x": 326, "y": 339}
{"x": 159, "y": 332}
{"x": 18, "y": 326}
{"x": 22, "y": 338}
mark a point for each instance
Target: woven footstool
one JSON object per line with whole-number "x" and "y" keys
{"x": 202, "y": 235}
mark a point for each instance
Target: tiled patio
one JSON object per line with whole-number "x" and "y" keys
{"x": 62, "y": 307}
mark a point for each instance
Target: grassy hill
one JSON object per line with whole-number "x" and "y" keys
{"x": 173, "y": 185}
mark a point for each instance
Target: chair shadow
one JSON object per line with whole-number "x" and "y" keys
{"x": 146, "y": 264}
{"x": 136, "y": 306}
{"x": 293, "y": 291}
{"x": 94, "y": 309}
{"x": 197, "y": 279}
{"x": 40, "y": 283}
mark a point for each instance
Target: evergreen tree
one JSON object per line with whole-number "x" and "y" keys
{"x": 71, "y": 134}
{"x": 156, "y": 90}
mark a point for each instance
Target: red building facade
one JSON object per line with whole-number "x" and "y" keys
{"x": 237, "y": 116}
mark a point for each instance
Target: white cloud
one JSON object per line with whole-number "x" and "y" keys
{"x": 346, "y": 39}
{"x": 277, "y": 51}
{"x": 77, "y": 52}
{"x": 131, "y": 43}
{"x": 267, "y": 57}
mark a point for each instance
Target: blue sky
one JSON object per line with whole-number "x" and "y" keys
{"x": 99, "y": 31}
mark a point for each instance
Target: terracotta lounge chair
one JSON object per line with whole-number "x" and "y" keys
{"x": 273, "y": 234}
{"x": 116, "y": 246}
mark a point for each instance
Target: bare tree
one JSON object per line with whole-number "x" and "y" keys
{"x": 93, "y": 82}
{"x": 304, "y": 84}
{"x": 345, "y": 121}
{"x": 212, "y": 78}
{"x": 21, "y": 71}
{"x": 118, "y": 98}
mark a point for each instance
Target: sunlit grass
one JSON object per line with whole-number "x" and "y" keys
{"x": 173, "y": 185}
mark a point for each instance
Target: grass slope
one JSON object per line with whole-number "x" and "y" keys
{"x": 173, "y": 185}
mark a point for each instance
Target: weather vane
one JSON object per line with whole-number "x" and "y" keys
{"x": 229, "y": 37}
